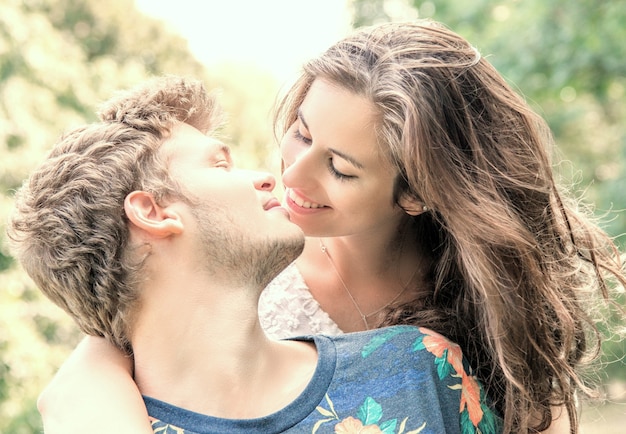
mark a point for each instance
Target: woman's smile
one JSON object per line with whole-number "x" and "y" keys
{"x": 299, "y": 203}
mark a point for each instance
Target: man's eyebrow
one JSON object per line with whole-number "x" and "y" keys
{"x": 344, "y": 156}
{"x": 225, "y": 149}
{"x": 216, "y": 149}
{"x": 217, "y": 146}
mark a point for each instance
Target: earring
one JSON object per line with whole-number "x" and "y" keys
{"x": 424, "y": 208}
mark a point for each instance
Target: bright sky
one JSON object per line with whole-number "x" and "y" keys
{"x": 275, "y": 35}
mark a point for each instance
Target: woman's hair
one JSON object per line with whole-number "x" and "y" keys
{"x": 69, "y": 229}
{"x": 515, "y": 265}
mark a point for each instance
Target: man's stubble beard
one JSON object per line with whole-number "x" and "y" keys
{"x": 251, "y": 259}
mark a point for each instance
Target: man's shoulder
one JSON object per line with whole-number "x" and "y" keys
{"x": 421, "y": 363}
{"x": 400, "y": 335}
{"x": 406, "y": 347}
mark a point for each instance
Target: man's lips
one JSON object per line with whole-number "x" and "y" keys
{"x": 272, "y": 203}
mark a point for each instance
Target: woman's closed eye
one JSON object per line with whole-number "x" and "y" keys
{"x": 299, "y": 136}
{"x": 336, "y": 173}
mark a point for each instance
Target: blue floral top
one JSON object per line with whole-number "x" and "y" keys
{"x": 400, "y": 380}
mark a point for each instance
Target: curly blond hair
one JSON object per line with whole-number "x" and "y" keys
{"x": 68, "y": 228}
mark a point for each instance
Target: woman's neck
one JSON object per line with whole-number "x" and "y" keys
{"x": 356, "y": 278}
{"x": 385, "y": 254}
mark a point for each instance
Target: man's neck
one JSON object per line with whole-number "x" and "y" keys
{"x": 203, "y": 349}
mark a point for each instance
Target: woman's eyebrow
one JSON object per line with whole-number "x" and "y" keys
{"x": 346, "y": 157}
{"x": 301, "y": 117}
{"x": 334, "y": 151}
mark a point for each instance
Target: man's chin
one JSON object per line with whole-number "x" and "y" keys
{"x": 278, "y": 255}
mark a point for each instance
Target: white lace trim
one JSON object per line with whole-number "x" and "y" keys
{"x": 288, "y": 309}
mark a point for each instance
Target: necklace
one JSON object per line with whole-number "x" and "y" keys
{"x": 363, "y": 316}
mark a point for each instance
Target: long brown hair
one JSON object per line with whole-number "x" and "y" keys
{"x": 516, "y": 265}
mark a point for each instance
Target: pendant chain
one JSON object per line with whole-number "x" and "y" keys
{"x": 364, "y": 316}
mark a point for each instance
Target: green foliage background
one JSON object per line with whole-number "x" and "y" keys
{"x": 59, "y": 58}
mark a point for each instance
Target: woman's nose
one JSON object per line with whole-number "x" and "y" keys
{"x": 300, "y": 172}
{"x": 296, "y": 162}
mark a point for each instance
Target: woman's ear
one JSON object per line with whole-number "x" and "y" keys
{"x": 411, "y": 205}
{"x": 145, "y": 213}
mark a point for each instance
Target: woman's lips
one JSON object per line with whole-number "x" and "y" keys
{"x": 301, "y": 204}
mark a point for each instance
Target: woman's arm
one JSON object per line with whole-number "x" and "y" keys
{"x": 94, "y": 392}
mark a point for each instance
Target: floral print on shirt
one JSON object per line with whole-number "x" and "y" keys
{"x": 369, "y": 420}
{"x": 164, "y": 428}
{"x": 377, "y": 411}
{"x": 476, "y": 417}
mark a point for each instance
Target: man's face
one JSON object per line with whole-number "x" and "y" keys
{"x": 240, "y": 225}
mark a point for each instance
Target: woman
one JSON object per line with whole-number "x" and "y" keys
{"x": 424, "y": 184}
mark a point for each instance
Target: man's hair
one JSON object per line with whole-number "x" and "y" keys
{"x": 69, "y": 229}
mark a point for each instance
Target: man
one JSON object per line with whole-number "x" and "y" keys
{"x": 141, "y": 228}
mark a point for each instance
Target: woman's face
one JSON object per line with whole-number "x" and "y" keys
{"x": 337, "y": 182}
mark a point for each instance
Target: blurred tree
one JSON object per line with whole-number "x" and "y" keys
{"x": 58, "y": 60}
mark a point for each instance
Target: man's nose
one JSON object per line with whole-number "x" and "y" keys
{"x": 263, "y": 181}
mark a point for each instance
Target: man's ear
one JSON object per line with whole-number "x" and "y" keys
{"x": 411, "y": 205}
{"x": 145, "y": 213}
